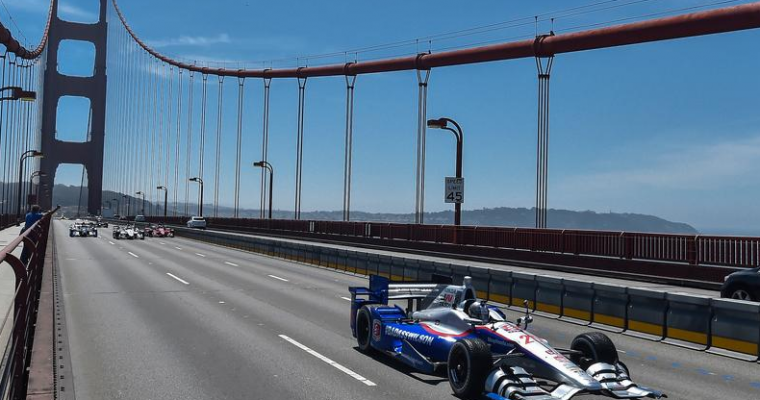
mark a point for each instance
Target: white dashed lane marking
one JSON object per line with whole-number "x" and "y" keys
{"x": 110, "y": 242}
{"x": 200, "y": 255}
{"x": 278, "y": 278}
{"x": 232, "y": 264}
{"x": 329, "y": 361}
{"x": 178, "y": 278}
{"x": 178, "y": 248}
{"x": 345, "y": 298}
{"x": 133, "y": 254}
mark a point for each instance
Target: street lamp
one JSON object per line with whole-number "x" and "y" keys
{"x": 129, "y": 203}
{"x": 443, "y": 123}
{"x": 118, "y": 211}
{"x": 264, "y": 164}
{"x": 142, "y": 209}
{"x": 24, "y": 156}
{"x": 166, "y": 196}
{"x": 31, "y": 181}
{"x": 18, "y": 93}
{"x": 200, "y": 203}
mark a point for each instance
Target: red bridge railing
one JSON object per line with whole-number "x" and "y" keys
{"x": 743, "y": 252}
{"x": 18, "y": 319}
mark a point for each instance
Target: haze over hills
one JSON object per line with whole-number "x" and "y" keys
{"x": 68, "y": 198}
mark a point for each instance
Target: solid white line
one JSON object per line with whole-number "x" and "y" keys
{"x": 178, "y": 248}
{"x": 199, "y": 255}
{"x": 133, "y": 254}
{"x": 162, "y": 242}
{"x": 331, "y": 362}
{"x": 111, "y": 242}
{"x": 233, "y": 264}
{"x": 179, "y": 279}
{"x": 345, "y": 298}
{"x": 277, "y": 277}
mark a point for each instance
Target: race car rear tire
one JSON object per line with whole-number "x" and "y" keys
{"x": 364, "y": 330}
{"x": 596, "y": 347}
{"x": 468, "y": 366}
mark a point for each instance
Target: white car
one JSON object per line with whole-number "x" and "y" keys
{"x": 197, "y": 222}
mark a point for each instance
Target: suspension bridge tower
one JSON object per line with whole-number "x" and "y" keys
{"x": 89, "y": 154}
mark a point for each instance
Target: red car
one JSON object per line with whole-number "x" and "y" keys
{"x": 162, "y": 231}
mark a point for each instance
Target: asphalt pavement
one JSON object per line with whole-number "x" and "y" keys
{"x": 173, "y": 318}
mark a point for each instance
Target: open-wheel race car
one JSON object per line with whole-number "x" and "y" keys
{"x": 82, "y": 229}
{"x": 159, "y": 231}
{"x": 127, "y": 232}
{"x": 446, "y": 326}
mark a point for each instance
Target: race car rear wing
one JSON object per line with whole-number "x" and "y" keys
{"x": 382, "y": 289}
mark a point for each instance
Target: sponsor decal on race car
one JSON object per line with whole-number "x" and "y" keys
{"x": 377, "y": 330}
{"x": 410, "y": 336}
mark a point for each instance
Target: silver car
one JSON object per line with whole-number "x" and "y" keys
{"x": 197, "y": 222}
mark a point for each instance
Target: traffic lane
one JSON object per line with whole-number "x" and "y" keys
{"x": 164, "y": 340}
{"x": 655, "y": 364}
{"x": 659, "y": 365}
{"x": 320, "y": 322}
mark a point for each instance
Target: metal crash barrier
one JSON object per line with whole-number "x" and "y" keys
{"x": 722, "y": 326}
{"x": 20, "y": 317}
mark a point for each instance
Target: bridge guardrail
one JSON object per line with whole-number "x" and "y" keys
{"x": 738, "y": 252}
{"x": 724, "y": 326}
{"x": 20, "y": 317}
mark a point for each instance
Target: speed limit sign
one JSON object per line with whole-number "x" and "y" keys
{"x": 454, "y": 190}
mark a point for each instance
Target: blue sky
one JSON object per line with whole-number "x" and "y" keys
{"x": 670, "y": 129}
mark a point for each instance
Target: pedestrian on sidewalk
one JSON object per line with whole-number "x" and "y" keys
{"x": 32, "y": 217}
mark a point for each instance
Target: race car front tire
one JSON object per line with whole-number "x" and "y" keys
{"x": 364, "y": 330}
{"x": 469, "y": 363}
{"x": 596, "y": 347}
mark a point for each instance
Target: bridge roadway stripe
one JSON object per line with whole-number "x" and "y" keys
{"x": 178, "y": 278}
{"x": 230, "y": 263}
{"x": 278, "y": 278}
{"x": 200, "y": 255}
{"x": 345, "y": 298}
{"x": 331, "y": 362}
{"x": 133, "y": 254}
{"x": 110, "y": 242}
{"x": 178, "y": 248}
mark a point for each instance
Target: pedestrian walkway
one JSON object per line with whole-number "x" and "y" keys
{"x": 7, "y": 283}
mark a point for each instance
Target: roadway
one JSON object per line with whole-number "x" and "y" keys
{"x": 181, "y": 319}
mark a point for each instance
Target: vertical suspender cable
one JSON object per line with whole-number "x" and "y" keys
{"x": 189, "y": 142}
{"x": 299, "y": 145}
{"x": 423, "y": 76}
{"x": 169, "y": 118}
{"x": 217, "y": 158}
{"x": 178, "y": 140}
{"x": 544, "y": 66}
{"x": 154, "y": 118}
{"x": 348, "y": 154}
{"x": 157, "y": 205}
{"x": 2, "y": 143}
{"x": 239, "y": 145}
{"x": 265, "y": 146}
{"x": 202, "y": 146}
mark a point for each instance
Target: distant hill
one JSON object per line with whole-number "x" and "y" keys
{"x": 68, "y": 198}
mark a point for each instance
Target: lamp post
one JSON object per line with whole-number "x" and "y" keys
{"x": 166, "y": 196}
{"x": 31, "y": 181}
{"x": 443, "y": 123}
{"x": 142, "y": 209}
{"x": 24, "y": 156}
{"x": 118, "y": 211}
{"x": 129, "y": 203}
{"x": 268, "y": 166}
{"x": 18, "y": 93}
{"x": 200, "y": 203}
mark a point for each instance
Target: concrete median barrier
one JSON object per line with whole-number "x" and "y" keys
{"x": 481, "y": 279}
{"x": 578, "y": 301}
{"x": 500, "y": 287}
{"x": 549, "y": 295}
{"x": 610, "y": 310}
{"x": 688, "y": 320}
{"x": 646, "y": 313}
{"x": 523, "y": 288}
{"x": 735, "y": 328}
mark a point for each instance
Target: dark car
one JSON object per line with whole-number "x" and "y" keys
{"x": 742, "y": 285}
